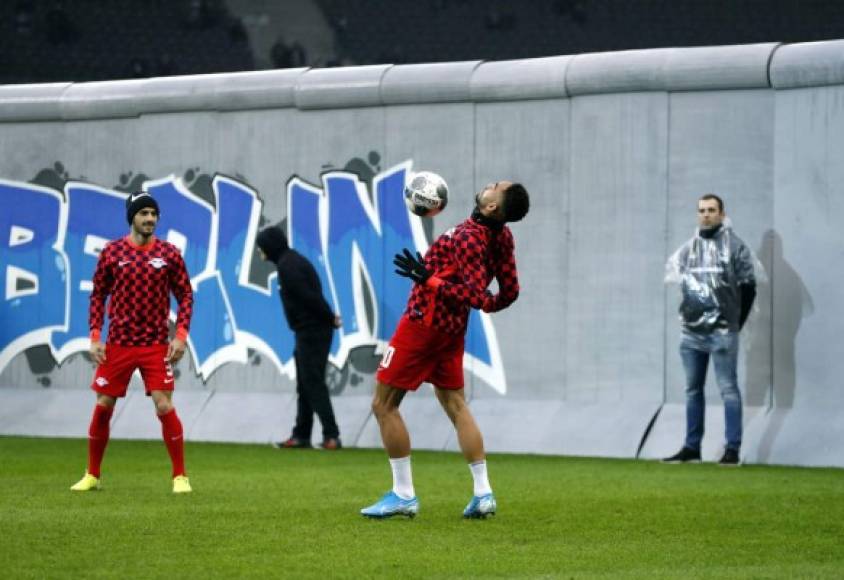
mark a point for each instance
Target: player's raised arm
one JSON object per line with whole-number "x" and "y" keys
{"x": 506, "y": 274}
{"x": 471, "y": 287}
{"x": 468, "y": 291}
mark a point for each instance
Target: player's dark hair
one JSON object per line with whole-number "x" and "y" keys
{"x": 516, "y": 202}
{"x": 716, "y": 198}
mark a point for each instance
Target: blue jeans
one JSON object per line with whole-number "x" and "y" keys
{"x": 695, "y": 350}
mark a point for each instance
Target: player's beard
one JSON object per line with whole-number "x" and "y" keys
{"x": 146, "y": 230}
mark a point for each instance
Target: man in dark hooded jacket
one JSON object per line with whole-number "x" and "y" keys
{"x": 313, "y": 322}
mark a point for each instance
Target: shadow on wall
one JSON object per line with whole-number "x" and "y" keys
{"x": 771, "y": 378}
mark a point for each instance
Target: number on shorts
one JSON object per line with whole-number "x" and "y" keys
{"x": 388, "y": 356}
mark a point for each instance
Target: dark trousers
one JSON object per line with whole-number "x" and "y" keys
{"x": 311, "y": 356}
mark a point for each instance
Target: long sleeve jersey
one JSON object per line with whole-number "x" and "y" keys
{"x": 139, "y": 280}
{"x": 464, "y": 261}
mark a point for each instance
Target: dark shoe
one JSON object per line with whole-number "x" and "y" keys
{"x": 293, "y": 443}
{"x": 685, "y": 455}
{"x": 331, "y": 444}
{"x": 730, "y": 458}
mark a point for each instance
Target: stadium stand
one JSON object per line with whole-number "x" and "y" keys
{"x": 452, "y": 30}
{"x": 87, "y": 40}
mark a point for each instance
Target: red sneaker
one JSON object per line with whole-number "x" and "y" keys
{"x": 331, "y": 444}
{"x": 293, "y": 443}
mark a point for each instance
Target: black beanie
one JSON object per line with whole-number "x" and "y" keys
{"x": 138, "y": 201}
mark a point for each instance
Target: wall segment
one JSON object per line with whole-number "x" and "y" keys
{"x": 615, "y": 149}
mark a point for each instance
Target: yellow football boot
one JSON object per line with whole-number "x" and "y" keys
{"x": 181, "y": 484}
{"x": 87, "y": 483}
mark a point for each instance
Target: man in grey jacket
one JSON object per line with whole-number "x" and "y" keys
{"x": 715, "y": 271}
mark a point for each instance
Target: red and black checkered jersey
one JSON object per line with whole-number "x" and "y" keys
{"x": 464, "y": 261}
{"x": 138, "y": 280}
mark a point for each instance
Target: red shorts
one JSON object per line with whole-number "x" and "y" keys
{"x": 112, "y": 376}
{"x": 420, "y": 354}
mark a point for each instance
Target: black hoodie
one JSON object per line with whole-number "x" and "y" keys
{"x": 300, "y": 288}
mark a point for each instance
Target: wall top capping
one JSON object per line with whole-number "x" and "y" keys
{"x": 671, "y": 69}
{"x": 336, "y": 88}
{"x": 513, "y": 80}
{"x": 31, "y": 102}
{"x": 809, "y": 64}
{"x": 440, "y": 82}
{"x": 664, "y": 69}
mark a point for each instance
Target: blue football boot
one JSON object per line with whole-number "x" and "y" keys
{"x": 392, "y": 505}
{"x": 480, "y": 507}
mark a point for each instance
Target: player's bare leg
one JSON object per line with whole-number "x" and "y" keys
{"x": 401, "y": 500}
{"x": 471, "y": 442}
{"x": 163, "y": 401}
{"x": 469, "y": 437}
{"x": 106, "y": 401}
{"x": 385, "y": 407}
{"x": 173, "y": 435}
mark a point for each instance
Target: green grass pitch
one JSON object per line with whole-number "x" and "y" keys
{"x": 263, "y": 513}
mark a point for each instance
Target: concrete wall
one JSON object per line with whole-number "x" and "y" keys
{"x": 615, "y": 149}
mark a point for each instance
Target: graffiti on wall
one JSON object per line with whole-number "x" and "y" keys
{"x": 349, "y": 226}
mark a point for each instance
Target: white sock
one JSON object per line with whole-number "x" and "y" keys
{"x": 402, "y": 478}
{"x": 481, "y": 479}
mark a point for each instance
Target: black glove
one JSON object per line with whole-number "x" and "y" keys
{"x": 410, "y": 267}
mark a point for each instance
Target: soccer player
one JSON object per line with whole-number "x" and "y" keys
{"x": 139, "y": 272}
{"x": 428, "y": 343}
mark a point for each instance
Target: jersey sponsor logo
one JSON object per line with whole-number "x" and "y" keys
{"x": 157, "y": 263}
{"x": 101, "y": 381}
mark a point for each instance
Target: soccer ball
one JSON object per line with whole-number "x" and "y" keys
{"x": 426, "y": 194}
